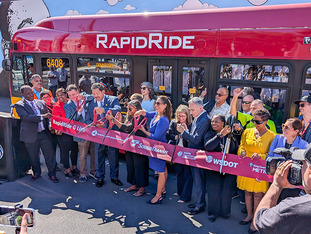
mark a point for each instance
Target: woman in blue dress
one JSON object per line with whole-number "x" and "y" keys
{"x": 159, "y": 124}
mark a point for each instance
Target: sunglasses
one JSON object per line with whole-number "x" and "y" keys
{"x": 245, "y": 102}
{"x": 302, "y": 105}
{"x": 257, "y": 121}
{"x": 143, "y": 88}
{"x": 285, "y": 127}
{"x": 158, "y": 103}
{"x": 219, "y": 94}
{"x": 130, "y": 109}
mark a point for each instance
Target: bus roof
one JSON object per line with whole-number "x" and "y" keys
{"x": 290, "y": 15}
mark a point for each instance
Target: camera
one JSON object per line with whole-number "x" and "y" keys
{"x": 294, "y": 175}
{"x": 12, "y": 216}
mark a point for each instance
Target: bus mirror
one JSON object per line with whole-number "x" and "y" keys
{"x": 6, "y": 64}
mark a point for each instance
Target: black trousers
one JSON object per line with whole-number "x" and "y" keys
{"x": 44, "y": 143}
{"x": 219, "y": 192}
{"x": 68, "y": 148}
{"x": 184, "y": 181}
{"x": 137, "y": 169}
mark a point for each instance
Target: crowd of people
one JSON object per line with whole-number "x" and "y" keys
{"x": 197, "y": 125}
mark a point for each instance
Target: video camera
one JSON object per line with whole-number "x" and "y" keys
{"x": 294, "y": 175}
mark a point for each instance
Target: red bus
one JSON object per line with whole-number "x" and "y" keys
{"x": 266, "y": 49}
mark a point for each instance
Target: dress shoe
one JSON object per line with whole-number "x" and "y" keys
{"x": 69, "y": 174}
{"x": 196, "y": 211}
{"x": 35, "y": 177}
{"x": 159, "y": 201}
{"x": 251, "y": 231}
{"x": 54, "y": 179}
{"x": 99, "y": 183}
{"x": 191, "y": 206}
{"x": 116, "y": 182}
{"x": 242, "y": 222}
{"x": 163, "y": 194}
{"x": 75, "y": 172}
{"x": 212, "y": 218}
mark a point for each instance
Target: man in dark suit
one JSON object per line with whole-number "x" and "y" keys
{"x": 195, "y": 138}
{"x": 35, "y": 133}
{"x": 102, "y": 103}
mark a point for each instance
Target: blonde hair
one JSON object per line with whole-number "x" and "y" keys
{"x": 185, "y": 110}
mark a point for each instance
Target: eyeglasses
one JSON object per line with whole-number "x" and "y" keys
{"x": 286, "y": 127}
{"x": 257, "y": 121}
{"x": 130, "y": 109}
{"x": 143, "y": 88}
{"x": 158, "y": 103}
{"x": 245, "y": 102}
{"x": 302, "y": 105}
{"x": 219, "y": 94}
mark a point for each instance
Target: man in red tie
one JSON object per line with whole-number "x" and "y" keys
{"x": 34, "y": 132}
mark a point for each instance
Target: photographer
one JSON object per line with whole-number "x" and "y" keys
{"x": 292, "y": 215}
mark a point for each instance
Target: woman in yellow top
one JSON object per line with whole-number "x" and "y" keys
{"x": 255, "y": 143}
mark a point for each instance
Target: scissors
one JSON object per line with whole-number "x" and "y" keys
{"x": 94, "y": 123}
{"x": 78, "y": 108}
{"x": 137, "y": 126}
{"x": 118, "y": 116}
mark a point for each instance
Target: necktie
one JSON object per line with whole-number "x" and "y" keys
{"x": 194, "y": 124}
{"x": 37, "y": 112}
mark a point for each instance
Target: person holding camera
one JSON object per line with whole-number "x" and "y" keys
{"x": 255, "y": 143}
{"x": 290, "y": 138}
{"x": 291, "y": 215}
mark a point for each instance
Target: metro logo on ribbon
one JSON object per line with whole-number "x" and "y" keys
{"x": 233, "y": 164}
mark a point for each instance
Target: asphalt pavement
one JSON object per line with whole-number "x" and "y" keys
{"x": 72, "y": 207}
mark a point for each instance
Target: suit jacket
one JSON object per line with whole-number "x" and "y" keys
{"x": 307, "y": 135}
{"x": 109, "y": 103}
{"x": 196, "y": 140}
{"x": 29, "y": 120}
{"x": 172, "y": 132}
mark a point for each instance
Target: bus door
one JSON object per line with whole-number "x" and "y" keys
{"x": 191, "y": 79}
{"x": 162, "y": 73}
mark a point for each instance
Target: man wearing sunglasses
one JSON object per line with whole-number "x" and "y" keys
{"x": 304, "y": 105}
{"x": 246, "y": 104}
{"x": 219, "y": 105}
{"x": 246, "y": 119}
{"x": 292, "y": 215}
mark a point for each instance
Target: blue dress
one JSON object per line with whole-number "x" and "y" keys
{"x": 158, "y": 132}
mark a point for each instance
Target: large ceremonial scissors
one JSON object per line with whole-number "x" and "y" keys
{"x": 118, "y": 117}
{"x": 94, "y": 123}
{"x": 137, "y": 126}
{"x": 77, "y": 109}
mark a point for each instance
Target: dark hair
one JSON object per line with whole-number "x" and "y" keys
{"x": 24, "y": 87}
{"x": 296, "y": 123}
{"x": 221, "y": 117}
{"x": 168, "y": 110}
{"x": 136, "y": 104}
{"x": 71, "y": 87}
{"x": 137, "y": 96}
{"x": 262, "y": 113}
{"x": 98, "y": 86}
{"x": 43, "y": 92}
{"x": 61, "y": 90}
{"x": 152, "y": 94}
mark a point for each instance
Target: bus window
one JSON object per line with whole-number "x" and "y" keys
{"x": 17, "y": 74}
{"x": 193, "y": 82}
{"x": 55, "y": 66}
{"x": 306, "y": 92}
{"x": 162, "y": 79}
{"x": 270, "y": 73}
{"x": 308, "y": 76}
{"x": 105, "y": 65}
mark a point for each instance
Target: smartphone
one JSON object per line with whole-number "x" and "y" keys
{"x": 11, "y": 216}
